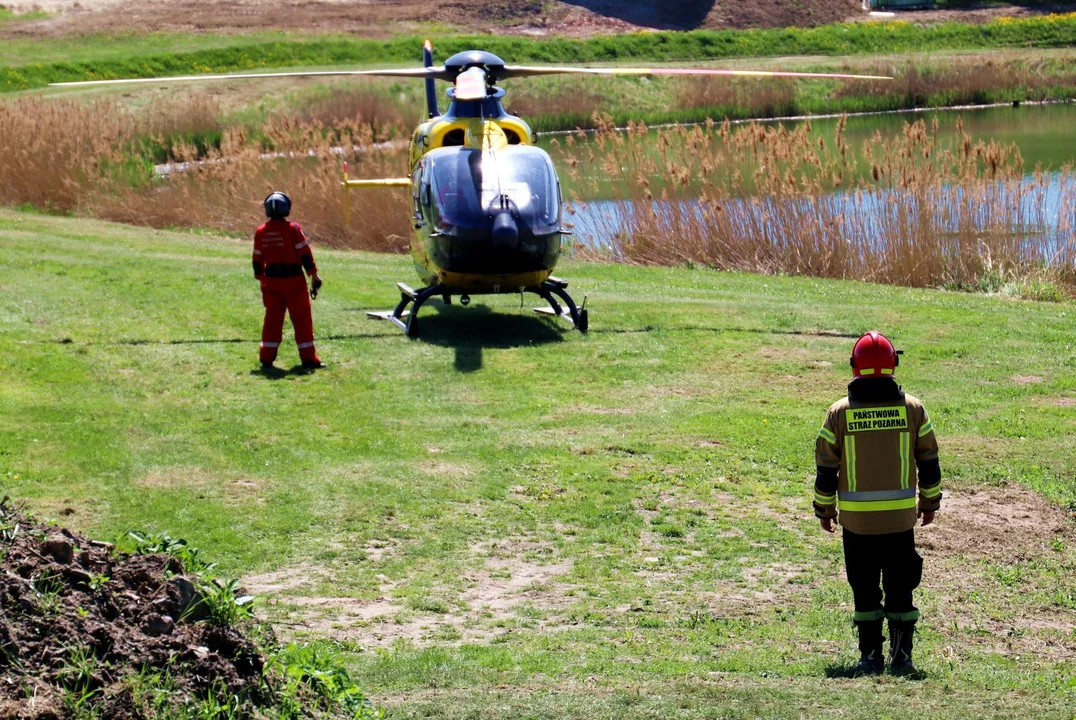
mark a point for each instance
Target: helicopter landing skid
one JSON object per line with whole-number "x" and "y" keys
{"x": 401, "y": 317}
{"x": 555, "y": 287}
{"x": 407, "y": 319}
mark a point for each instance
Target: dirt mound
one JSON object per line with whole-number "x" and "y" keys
{"x": 383, "y": 18}
{"x": 80, "y": 622}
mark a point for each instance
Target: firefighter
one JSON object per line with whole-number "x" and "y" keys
{"x": 281, "y": 253}
{"x": 874, "y": 451}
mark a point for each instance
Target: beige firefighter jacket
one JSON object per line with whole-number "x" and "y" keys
{"x": 877, "y": 448}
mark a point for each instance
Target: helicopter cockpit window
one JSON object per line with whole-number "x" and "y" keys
{"x": 471, "y": 185}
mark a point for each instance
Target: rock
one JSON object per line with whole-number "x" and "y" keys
{"x": 59, "y": 549}
{"x": 77, "y": 577}
{"x": 155, "y": 624}
{"x": 188, "y": 601}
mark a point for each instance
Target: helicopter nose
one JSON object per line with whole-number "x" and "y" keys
{"x": 505, "y": 231}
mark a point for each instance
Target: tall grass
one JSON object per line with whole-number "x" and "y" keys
{"x": 909, "y": 210}
{"x": 961, "y": 81}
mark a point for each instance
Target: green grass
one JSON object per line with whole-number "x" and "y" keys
{"x": 646, "y": 487}
{"x": 10, "y": 17}
{"x": 35, "y": 64}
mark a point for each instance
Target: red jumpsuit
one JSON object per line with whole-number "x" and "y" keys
{"x": 281, "y": 252}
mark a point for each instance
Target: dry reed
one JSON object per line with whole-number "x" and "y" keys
{"x": 911, "y": 209}
{"x": 95, "y": 159}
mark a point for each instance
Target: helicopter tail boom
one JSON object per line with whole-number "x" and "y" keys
{"x": 348, "y": 183}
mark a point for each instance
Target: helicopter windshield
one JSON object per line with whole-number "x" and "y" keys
{"x": 469, "y": 185}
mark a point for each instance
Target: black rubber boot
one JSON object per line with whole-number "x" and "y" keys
{"x": 901, "y": 635}
{"x": 870, "y": 648}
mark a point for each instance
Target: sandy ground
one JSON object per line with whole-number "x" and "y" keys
{"x": 382, "y": 18}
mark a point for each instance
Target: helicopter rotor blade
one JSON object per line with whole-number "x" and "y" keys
{"x": 511, "y": 71}
{"x": 436, "y": 73}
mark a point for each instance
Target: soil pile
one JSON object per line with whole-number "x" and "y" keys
{"x": 385, "y": 18}
{"x": 81, "y": 624}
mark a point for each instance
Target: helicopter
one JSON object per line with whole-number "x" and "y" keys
{"x": 486, "y": 203}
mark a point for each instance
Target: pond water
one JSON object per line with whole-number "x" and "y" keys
{"x": 1045, "y": 136}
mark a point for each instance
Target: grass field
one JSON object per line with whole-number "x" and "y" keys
{"x": 505, "y": 519}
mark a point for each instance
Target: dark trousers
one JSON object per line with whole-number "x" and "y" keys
{"x": 893, "y": 559}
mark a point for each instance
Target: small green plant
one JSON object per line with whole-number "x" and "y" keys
{"x": 78, "y": 676}
{"x": 314, "y": 677}
{"x": 155, "y": 691}
{"x": 218, "y": 704}
{"x": 47, "y": 588}
{"x": 1008, "y": 576}
{"x": 1041, "y": 290}
{"x": 165, "y": 544}
{"x": 224, "y": 604}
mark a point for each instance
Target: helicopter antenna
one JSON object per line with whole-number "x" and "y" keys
{"x": 431, "y": 90}
{"x": 492, "y": 153}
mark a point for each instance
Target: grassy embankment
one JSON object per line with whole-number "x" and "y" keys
{"x": 615, "y": 525}
{"x": 33, "y": 64}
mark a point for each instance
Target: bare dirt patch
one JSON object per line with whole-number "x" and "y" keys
{"x": 981, "y": 14}
{"x": 981, "y": 538}
{"x": 999, "y": 524}
{"x": 587, "y": 409}
{"x": 445, "y": 470}
{"x": 516, "y": 572}
{"x": 202, "y": 482}
{"x": 383, "y": 18}
{"x": 504, "y": 584}
{"x": 73, "y": 513}
{"x": 283, "y": 580}
{"x": 1027, "y": 379}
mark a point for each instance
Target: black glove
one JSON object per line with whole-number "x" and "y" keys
{"x": 315, "y": 286}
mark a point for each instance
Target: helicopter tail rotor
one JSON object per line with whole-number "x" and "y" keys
{"x": 431, "y": 90}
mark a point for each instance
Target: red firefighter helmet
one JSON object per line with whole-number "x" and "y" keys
{"x": 874, "y": 356}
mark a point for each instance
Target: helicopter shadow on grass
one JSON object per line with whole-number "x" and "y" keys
{"x": 657, "y": 14}
{"x": 703, "y": 329}
{"x": 472, "y": 330}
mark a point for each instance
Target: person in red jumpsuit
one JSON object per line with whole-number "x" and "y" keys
{"x": 281, "y": 253}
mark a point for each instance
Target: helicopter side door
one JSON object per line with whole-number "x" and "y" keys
{"x": 421, "y": 205}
